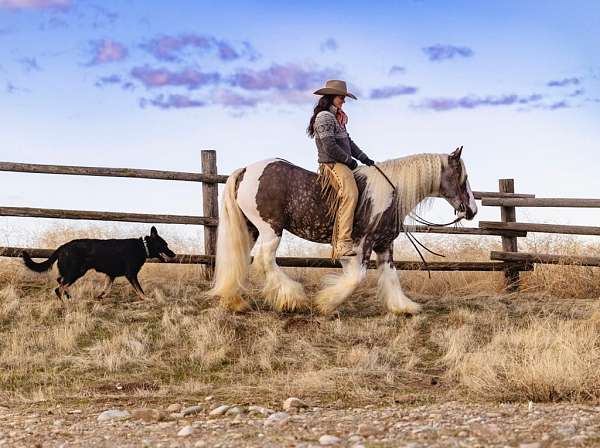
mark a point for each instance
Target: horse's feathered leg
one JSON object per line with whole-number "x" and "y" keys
{"x": 339, "y": 287}
{"x": 279, "y": 290}
{"x": 389, "y": 290}
{"x": 234, "y": 243}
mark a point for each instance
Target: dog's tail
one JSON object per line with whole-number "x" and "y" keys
{"x": 233, "y": 245}
{"x": 39, "y": 267}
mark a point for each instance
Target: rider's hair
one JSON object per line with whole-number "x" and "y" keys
{"x": 324, "y": 103}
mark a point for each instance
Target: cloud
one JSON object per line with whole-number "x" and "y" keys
{"x": 30, "y": 64}
{"x": 577, "y": 92}
{"x": 564, "y": 82}
{"x": 288, "y": 77}
{"x": 228, "y": 98}
{"x": 102, "y": 17}
{"x": 397, "y": 70}
{"x": 161, "y": 77}
{"x": 113, "y": 80}
{"x": 36, "y": 4}
{"x": 107, "y": 50}
{"x": 391, "y": 91}
{"x": 169, "y": 48}
{"x": 473, "y": 102}
{"x": 10, "y": 88}
{"x": 441, "y": 52}
{"x": 558, "y": 105}
{"x": 53, "y": 23}
{"x": 171, "y": 102}
{"x": 329, "y": 45}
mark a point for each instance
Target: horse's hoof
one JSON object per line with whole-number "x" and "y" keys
{"x": 235, "y": 304}
{"x": 324, "y": 308}
{"x": 412, "y": 308}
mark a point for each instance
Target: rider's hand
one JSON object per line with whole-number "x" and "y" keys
{"x": 352, "y": 164}
{"x": 369, "y": 162}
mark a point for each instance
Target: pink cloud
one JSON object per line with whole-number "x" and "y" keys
{"x": 171, "y": 102}
{"x": 107, "y": 50}
{"x": 170, "y": 48}
{"x": 36, "y": 4}
{"x": 282, "y": 77}
{"x": 162, "y": 77}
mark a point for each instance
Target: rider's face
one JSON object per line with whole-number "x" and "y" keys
{"x": 339, "y": 101}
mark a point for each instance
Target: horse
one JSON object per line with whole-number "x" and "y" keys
{"x": 265, "y": 198}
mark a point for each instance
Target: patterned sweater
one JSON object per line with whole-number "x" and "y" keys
{"x": 333, "y": 142}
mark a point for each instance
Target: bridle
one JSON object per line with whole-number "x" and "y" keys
{"x": 413, "y": 240}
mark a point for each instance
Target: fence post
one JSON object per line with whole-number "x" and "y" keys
{"x": 509, "y": 243}
{"x": 210, "y": 204}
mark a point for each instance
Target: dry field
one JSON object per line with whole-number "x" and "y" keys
{"x": 473, "y": 343}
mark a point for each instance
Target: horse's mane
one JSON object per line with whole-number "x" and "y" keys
{"x": 415, "y": 177}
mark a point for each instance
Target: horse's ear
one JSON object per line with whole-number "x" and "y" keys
{"x": 456, "y": 153}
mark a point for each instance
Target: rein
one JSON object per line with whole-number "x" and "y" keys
{"x": 420, "y": 220}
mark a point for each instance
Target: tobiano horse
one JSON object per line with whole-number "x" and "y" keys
{"x": 265, "y": 198}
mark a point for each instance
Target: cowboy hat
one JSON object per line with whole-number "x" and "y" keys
{"x": 335, "y": 87}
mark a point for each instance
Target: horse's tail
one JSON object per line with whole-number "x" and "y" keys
{"x": 233, "y": 245}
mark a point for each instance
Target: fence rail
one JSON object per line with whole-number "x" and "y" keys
{"x": 532, "y": 258}
{"x": 540, "y": 228}
{"x": 311, "y": 262}
{"x": 509, "y": 260}
{"x": 106, "y": 216}
{"x": 540, "y": 202}
{"x": 112, "y": 172}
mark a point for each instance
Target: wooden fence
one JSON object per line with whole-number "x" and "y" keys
{"x": 509, "y": 260}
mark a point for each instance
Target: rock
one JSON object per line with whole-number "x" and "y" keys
{"x": 147, "y": 415}
{"x": 209, "y": 398}
{"x": 58, "y": 422}
{"x": 191, "y": 410}
{"x": 219, "y": 410}
{"x": 278, "y": 419}
{"x": 200, "y": 444}
{"x": 175, "y": 407}
{"x": 260, "y": 410}
{"x": 367, "y": 430}
{"x": 530, "y": 445}
{"x": 74, "y": 411}
{"x": 293, "y": 403}
{"x": 112, "y": 414}
{"x": 234, "y": 410}
{"x": 355, "y": 438}
{"x": 329, "y": 440}
{"x": 185, "y": 431}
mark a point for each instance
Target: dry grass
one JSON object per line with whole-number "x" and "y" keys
{"x": 541, "y": 344}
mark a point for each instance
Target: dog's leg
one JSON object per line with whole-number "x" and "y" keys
{"x": 62, "y": 292}
{"x": 107, "y": 286}
{"x": 136, "y": 286}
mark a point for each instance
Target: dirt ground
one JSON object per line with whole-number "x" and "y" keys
{"x": 408, "y": 424}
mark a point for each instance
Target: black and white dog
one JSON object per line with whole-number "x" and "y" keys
{"x": 115, "y": 258}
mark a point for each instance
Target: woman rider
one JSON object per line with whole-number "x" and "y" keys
{"x": 337, "y": 152}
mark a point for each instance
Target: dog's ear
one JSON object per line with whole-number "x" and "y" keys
{"x": 153, "y": 231}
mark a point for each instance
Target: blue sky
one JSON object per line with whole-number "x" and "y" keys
{"x": 148, "y": 84}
